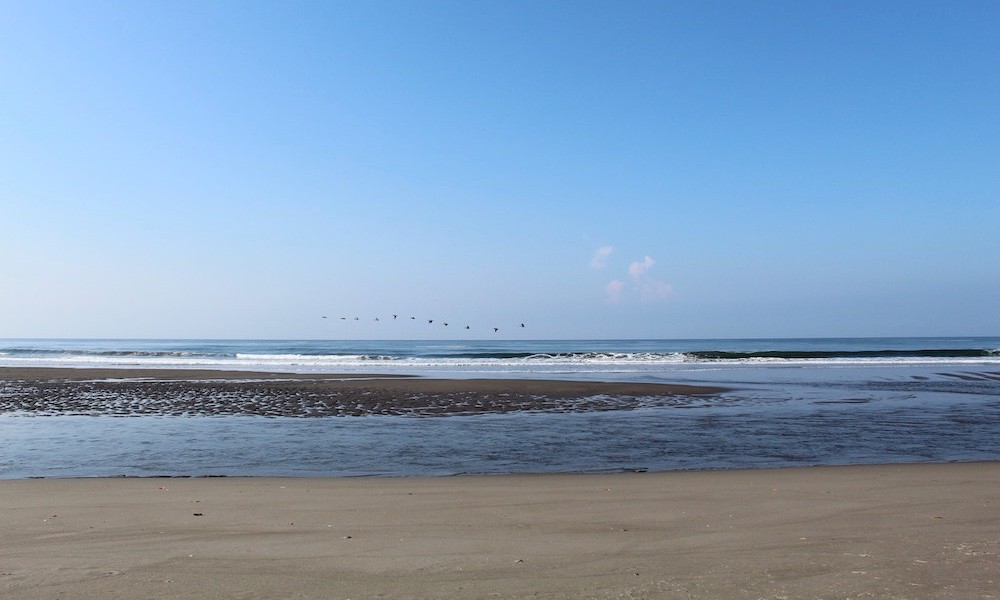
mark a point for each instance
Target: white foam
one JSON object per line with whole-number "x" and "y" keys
{"x": 537, "y": 363}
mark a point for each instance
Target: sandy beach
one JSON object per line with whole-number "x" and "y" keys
{"x": 894, "y": 531}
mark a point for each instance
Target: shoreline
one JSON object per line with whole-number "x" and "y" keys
{"x": 175, "y": 374}
{"x": 129, "y": 392}
{"x": 912, "y": 530}
{"x": 491, "y": 475}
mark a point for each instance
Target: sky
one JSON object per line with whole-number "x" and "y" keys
{"x": 693, "y": 169}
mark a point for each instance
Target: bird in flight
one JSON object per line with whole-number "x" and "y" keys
{"x": 429, "y": 321}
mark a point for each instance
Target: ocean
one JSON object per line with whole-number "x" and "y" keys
{"x": 789, "y": 402}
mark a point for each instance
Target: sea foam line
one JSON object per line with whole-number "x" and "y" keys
{"x": 583, "y": 363}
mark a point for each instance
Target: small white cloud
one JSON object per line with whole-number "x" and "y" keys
{"x": 614, "y": 290}
{"x": 600, "y": 259}
{"x": 637, "y": 269}
{"x": 640, "y": 285}
{"x": 652, "y": 290}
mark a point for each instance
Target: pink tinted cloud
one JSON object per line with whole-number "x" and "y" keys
{"x": 600, "y": 258}
{"x": 614, "y": 290}
{"x": 638, "y": 269}
{"x": 652, "y": 290}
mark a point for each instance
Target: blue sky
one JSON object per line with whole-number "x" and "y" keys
{"x": 593, "y": 169}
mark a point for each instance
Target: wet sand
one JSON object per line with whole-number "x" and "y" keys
{"x": 895, "y": 531}
{"x": 126, "y": 392}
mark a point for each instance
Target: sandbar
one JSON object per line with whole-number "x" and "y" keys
{"x": 131, "y": 392}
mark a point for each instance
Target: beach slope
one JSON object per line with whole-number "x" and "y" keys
{"x": 895, "y": 531}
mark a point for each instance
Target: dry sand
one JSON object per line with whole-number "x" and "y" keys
{"x": 895, "y": 531}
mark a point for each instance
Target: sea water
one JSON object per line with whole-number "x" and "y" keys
{"x": 790, "y": 403}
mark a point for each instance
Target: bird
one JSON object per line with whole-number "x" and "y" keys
{"x": 396, "y": 316}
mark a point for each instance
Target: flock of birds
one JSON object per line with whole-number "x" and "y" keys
{"x": 429, "y": 321}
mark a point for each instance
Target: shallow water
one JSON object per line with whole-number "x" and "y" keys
{"x": 771, "y": 418}
{"x": 790, "y": 403}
